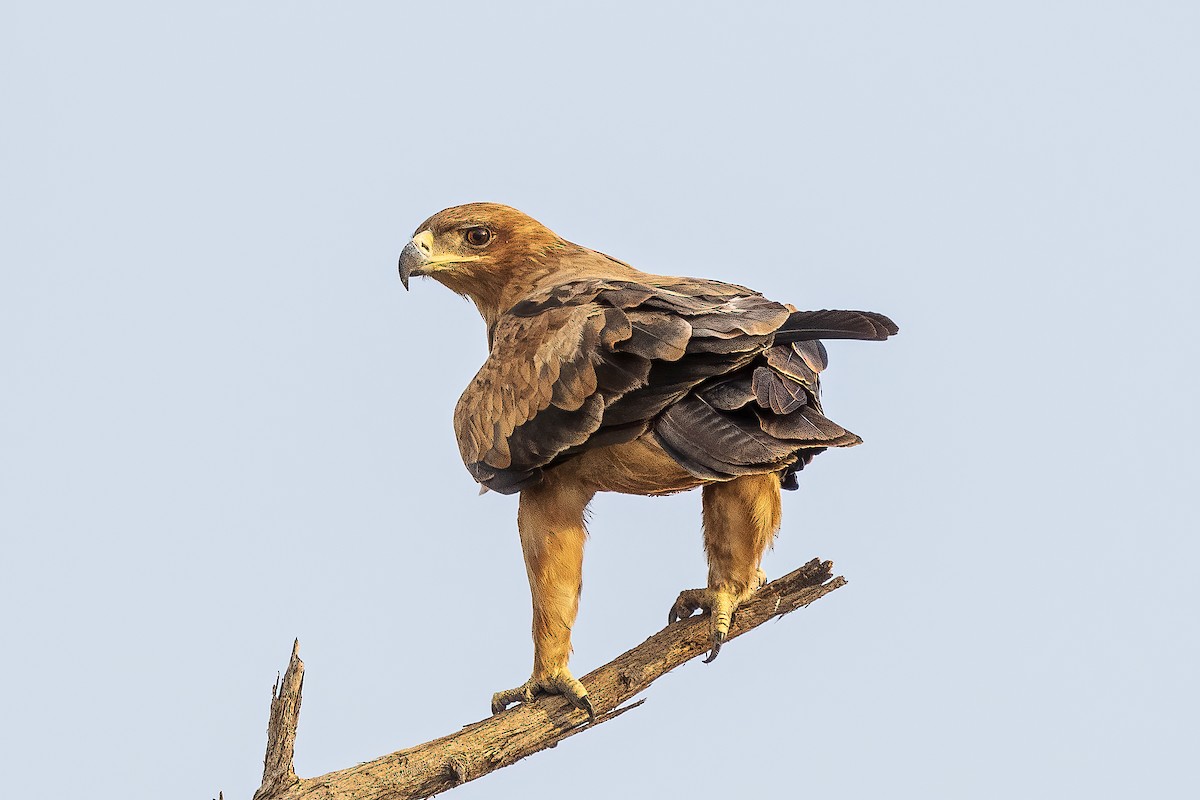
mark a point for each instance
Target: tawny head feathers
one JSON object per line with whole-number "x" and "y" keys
{"x": 511, "y": 231}
{"x": 486, "y": 251}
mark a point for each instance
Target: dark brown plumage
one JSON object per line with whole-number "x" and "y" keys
{"x": 602, "y": 362}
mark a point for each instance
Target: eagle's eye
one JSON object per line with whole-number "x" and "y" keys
{"x": 478, "y": 237}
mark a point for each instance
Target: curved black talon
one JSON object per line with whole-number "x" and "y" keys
{"x": 586, "y": 702}
{"x": 718, "y": 640}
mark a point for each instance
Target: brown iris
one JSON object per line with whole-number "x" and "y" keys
{"x": 478, "y": 237}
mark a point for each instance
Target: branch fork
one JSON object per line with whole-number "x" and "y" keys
{"x": 505, "y": 738}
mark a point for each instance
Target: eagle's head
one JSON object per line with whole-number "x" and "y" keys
{"x": 476, "y": 249}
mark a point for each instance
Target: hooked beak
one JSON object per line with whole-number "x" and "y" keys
{"x": 415, "y": 256}
{"x": 418, "y": 258}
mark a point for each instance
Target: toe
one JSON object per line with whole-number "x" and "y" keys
{"x": 586, "y": 704}
{"x": 504, "y": 699}
{"x": 566, "y": 685}
{"x": 721, "y": 605}
{"x": 718, "y": 639}
{"x": 688, "y": 602}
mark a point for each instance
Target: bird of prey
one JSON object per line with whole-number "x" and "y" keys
{"x": 604, "y": 378}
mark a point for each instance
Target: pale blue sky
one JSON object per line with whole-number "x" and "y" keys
{"x": 223, "y": 424}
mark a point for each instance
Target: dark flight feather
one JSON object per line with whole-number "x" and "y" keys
{"x": 807, "y": 426}
{"x": 708, "y": 441}
{"x": 777, "y": 392}
{"x": 729, "y": 395}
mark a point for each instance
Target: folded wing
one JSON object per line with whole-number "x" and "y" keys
{"x": 594, "y": 363}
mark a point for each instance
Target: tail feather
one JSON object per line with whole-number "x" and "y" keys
{"x": 808, "y": 325}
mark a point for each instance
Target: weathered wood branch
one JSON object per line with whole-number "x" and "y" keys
{"x": 279, "y": 773}
{"x": 506, "y": 738}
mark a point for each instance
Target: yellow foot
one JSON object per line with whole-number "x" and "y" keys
{"x": 719, "y": 604}
{"x": 561, "y": 682}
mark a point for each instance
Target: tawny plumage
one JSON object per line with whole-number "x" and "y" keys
{"x": 601, "y": 377}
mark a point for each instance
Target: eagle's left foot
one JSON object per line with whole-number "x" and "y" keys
{"x": 562, "y": 682}
{"x": 719, "y": 604}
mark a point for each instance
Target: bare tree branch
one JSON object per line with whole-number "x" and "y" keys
{"x": 278, "y": 771}
{"x": 506, "y": 738}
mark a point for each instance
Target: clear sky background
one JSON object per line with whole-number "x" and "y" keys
{"x": 224, "y": 425}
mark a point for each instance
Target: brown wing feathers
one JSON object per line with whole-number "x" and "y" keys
{"x": 595, "y": 363}
{"x": 777, "y": 392}
{"x": 717, "y": 445}
{"x": 750, "y": 423}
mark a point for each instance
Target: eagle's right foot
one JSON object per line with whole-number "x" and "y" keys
{"x": 719, "y": 604}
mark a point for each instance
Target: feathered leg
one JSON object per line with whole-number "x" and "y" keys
{"x": 741, "y": 518}
{"x": 550, "y": 520}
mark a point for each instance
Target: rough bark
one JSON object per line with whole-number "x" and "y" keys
{"x": 505, "y": 738}
{"x": 279, "y": 773}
